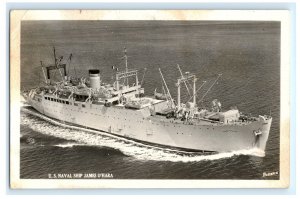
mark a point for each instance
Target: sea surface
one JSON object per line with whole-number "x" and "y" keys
{"x": 247, "y": 54}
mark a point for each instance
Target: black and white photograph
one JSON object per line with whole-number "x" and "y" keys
{"x": 150, "y": 99}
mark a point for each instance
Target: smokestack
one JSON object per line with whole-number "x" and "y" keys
{"x": 94, "y": 78}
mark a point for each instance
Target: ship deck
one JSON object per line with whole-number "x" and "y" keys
{"x": 198, "y": 122}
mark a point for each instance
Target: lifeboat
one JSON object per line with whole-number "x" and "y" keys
{"x": 138, "y": 104}
{"x": 160, "y": 96}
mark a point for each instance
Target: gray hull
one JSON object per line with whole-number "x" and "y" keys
{"x": 140, "y": 125}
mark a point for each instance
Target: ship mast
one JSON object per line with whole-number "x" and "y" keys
{"x": 127, "y": 73}
{"x": 184, "y": 79}
{"x": 197, "y": 91}
{"x": 126, "y": 63}
{"x": 56, "y": 64}
{"x": 44, "y": 72}
{"x": 172, "y": 102}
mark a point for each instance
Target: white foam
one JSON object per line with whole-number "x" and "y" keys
{"x": 67, "y": 145}
{"x": 128, "y": 147}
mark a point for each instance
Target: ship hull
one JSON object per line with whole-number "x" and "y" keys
{"x": 140, "y": 125}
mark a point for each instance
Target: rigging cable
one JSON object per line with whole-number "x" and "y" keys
{"x": 219, "y": 75}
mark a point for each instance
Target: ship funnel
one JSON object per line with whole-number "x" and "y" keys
{"x": 94, "y": 78}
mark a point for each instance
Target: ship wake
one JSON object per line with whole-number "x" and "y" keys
{"x": 88, "y": 137}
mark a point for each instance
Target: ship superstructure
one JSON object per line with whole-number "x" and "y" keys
{"x": 122, "y": 109}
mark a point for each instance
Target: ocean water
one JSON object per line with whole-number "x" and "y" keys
{"x": 247, "y": 54}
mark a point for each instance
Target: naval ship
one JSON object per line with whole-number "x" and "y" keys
{"x": 122, "y": 109}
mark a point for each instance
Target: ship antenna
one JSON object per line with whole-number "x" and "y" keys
{"x": 172, "y": 102}
{"x": 184, "y": 81}
{"x": 219, "y": 75}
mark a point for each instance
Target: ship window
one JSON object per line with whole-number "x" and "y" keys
{"x": 67, "y": 102}
{"x": 51, "y": 99}
{"x": 75, "y": 104}
{"x": 83, "y": 105}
